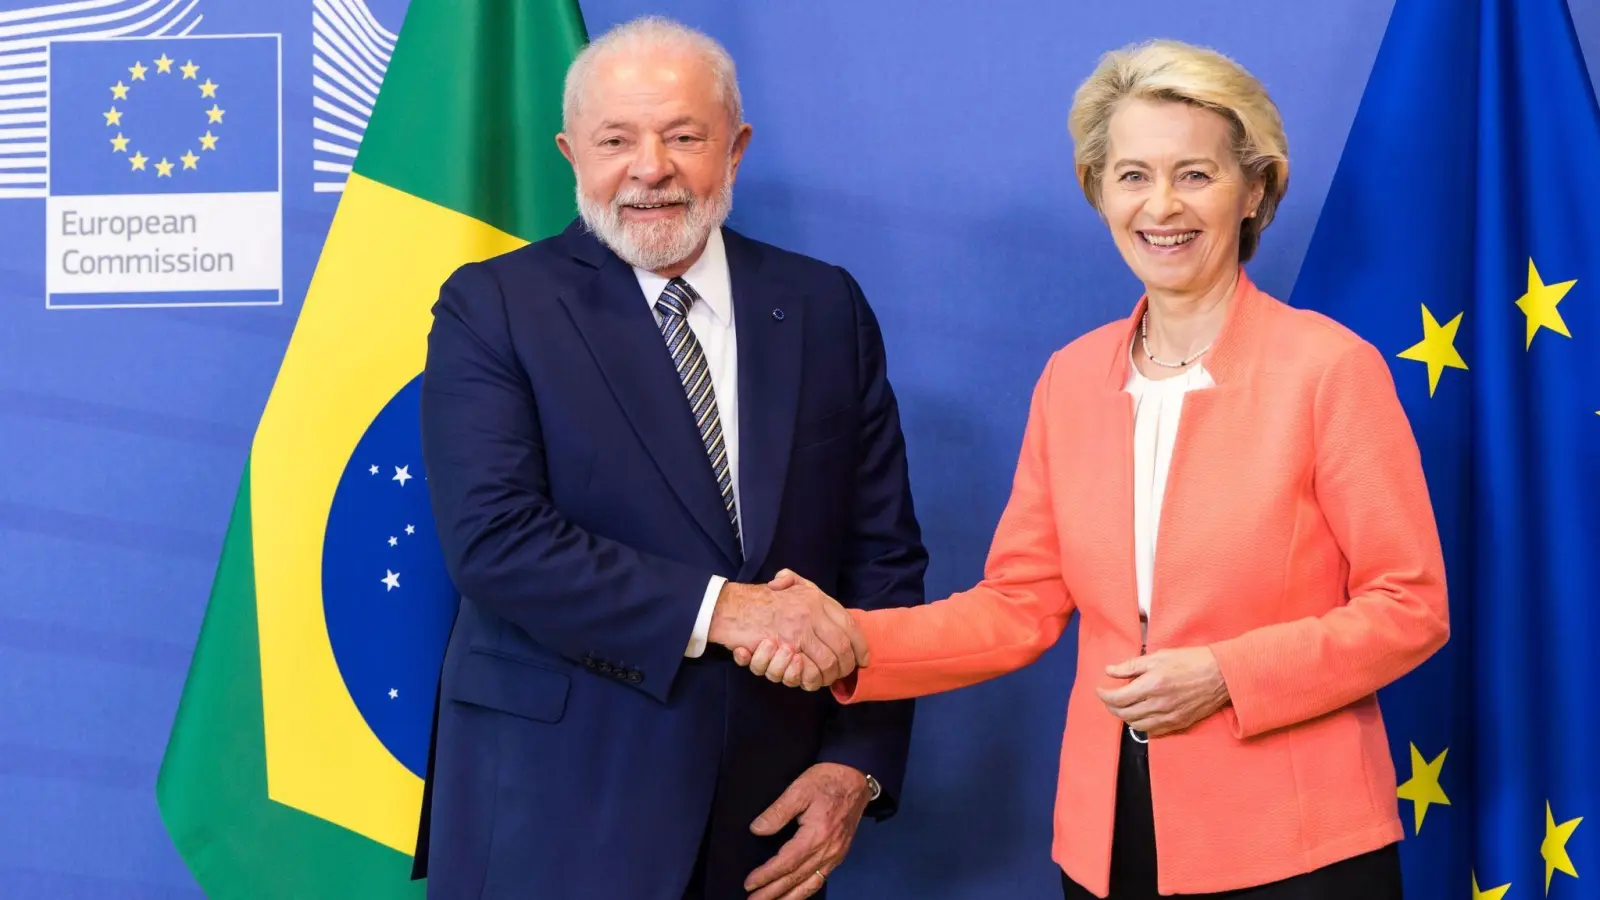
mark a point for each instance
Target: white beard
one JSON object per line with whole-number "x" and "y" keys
{"x": 656, "y": 245}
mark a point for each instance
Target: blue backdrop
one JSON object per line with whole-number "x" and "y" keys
{"x": 921, "y": 145}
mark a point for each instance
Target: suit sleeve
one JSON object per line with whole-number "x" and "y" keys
{"x": 506, "y": 545}
{"x": 1370, "y": 486}
{"x": 883, "y": 565}
{"x": 1004, "y": 622}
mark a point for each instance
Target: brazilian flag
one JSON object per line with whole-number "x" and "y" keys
{"x": 294, "y": 768}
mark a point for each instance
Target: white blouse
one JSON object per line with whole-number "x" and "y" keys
{"x": 1156, "y": 408}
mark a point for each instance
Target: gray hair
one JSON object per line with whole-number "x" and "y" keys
{"x": 651, "y": 33}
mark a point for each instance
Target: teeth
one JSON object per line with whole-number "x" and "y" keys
{"x": 1171, "y": 240}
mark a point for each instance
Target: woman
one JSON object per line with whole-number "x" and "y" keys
{"x": 1223, "y": 730}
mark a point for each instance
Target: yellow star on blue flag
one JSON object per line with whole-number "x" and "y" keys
{"x": 1494, "y": 893}
{"x": 1554, "y": 847}
{"x": 1423, "y": 788}
{"x": 1437, "y": 347}
{"x": 1539, "y": 304}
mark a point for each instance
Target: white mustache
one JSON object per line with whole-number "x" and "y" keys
{"x": 636, "y": 198}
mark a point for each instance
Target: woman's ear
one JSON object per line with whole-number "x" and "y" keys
{"x": 1258, "y": 192}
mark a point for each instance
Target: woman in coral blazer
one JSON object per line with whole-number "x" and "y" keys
{"x": 1227, "y": 492}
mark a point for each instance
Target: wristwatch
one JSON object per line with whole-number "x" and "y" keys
{"x": 874, "y": 789}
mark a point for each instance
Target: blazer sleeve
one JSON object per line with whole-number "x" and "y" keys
{"x": 1005, "y": 622}
{"x": 1371, "y": 489}
{"x": 883, "y": 564}
{"x": 506, "y": 545}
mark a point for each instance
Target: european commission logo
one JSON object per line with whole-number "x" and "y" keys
{"x": 165, "y": 178}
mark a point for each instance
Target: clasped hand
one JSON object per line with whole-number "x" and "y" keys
{"x": 790, "y": 631}
{"x": 1166, "y": 691}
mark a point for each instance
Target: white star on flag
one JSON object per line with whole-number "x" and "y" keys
{"x": 411, "y": 529}
{"x": 402, "y": 475}
{"x": 393, "y": 541}
{"x": 372, "y": 470}
{"x": 393, "y": 694}
{"x": 392, "y": 580}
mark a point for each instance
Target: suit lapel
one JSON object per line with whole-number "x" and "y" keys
{"x": 616, "y": 324}
{"x": 770, "y": 323}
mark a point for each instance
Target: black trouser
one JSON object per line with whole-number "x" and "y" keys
{"x": 1370, "y": 876}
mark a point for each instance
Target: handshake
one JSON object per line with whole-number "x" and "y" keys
{"x": 789, "y": 631}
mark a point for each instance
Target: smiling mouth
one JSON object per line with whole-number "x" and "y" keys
{"x": 650, "y": 206}
{"x": 1168, "y": 240}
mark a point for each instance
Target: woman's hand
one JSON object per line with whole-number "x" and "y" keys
{"x": 1170, "y": 690}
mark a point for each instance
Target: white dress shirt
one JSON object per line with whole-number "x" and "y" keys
{"x": 1157, "y": 406}
{"x": 711, "y": 320}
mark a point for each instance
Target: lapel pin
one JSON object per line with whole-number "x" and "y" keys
{"x": 778, "y": 314}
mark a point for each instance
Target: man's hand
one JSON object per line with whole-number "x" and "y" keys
{"x": 783, "y": 664}
{"x": 829, "y": 799}
{"x": 1170, "y": 690}
{"x": 801, "y": 621}
{"x": 793, "y": 670}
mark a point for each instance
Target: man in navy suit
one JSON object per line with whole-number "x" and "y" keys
{"x": 629, "y": 428}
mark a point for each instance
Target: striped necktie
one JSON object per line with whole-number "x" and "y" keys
{"x": 690, "y": 359}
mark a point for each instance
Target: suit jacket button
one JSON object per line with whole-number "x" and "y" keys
{"x": 605, "y": 667}
{"x": 635, "y": 676}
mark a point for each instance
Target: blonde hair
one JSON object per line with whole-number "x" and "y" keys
{"x": 1166, "y": 70}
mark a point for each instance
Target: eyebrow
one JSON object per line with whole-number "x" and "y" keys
{"x": 1195, "y": 161}
{"x": 628, "y": 126}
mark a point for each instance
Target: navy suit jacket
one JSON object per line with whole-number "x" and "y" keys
{"x": 577, "y": 752}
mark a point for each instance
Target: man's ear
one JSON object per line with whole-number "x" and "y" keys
{"x": 741, "y": 140}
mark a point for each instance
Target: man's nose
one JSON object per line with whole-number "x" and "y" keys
{"x": 651, "y": 163}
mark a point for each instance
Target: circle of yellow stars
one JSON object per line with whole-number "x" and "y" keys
{"x": 1423, "y": 790}
{"x": 138, "y": 162}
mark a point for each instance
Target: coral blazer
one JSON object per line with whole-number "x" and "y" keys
{"x": 1296, "y": 540}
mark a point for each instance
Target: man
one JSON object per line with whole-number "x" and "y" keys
{"x": 629, "y": 429}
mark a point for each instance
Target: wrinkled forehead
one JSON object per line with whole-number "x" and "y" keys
{"x": 1155, "y": 132}
{"x": 651, "y": 87}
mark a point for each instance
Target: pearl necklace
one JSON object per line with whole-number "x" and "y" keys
{"x": 1145, "y": 343}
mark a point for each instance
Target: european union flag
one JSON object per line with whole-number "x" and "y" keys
{"x": 164, "y": 115}
{"x": 1460, "y": 237}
